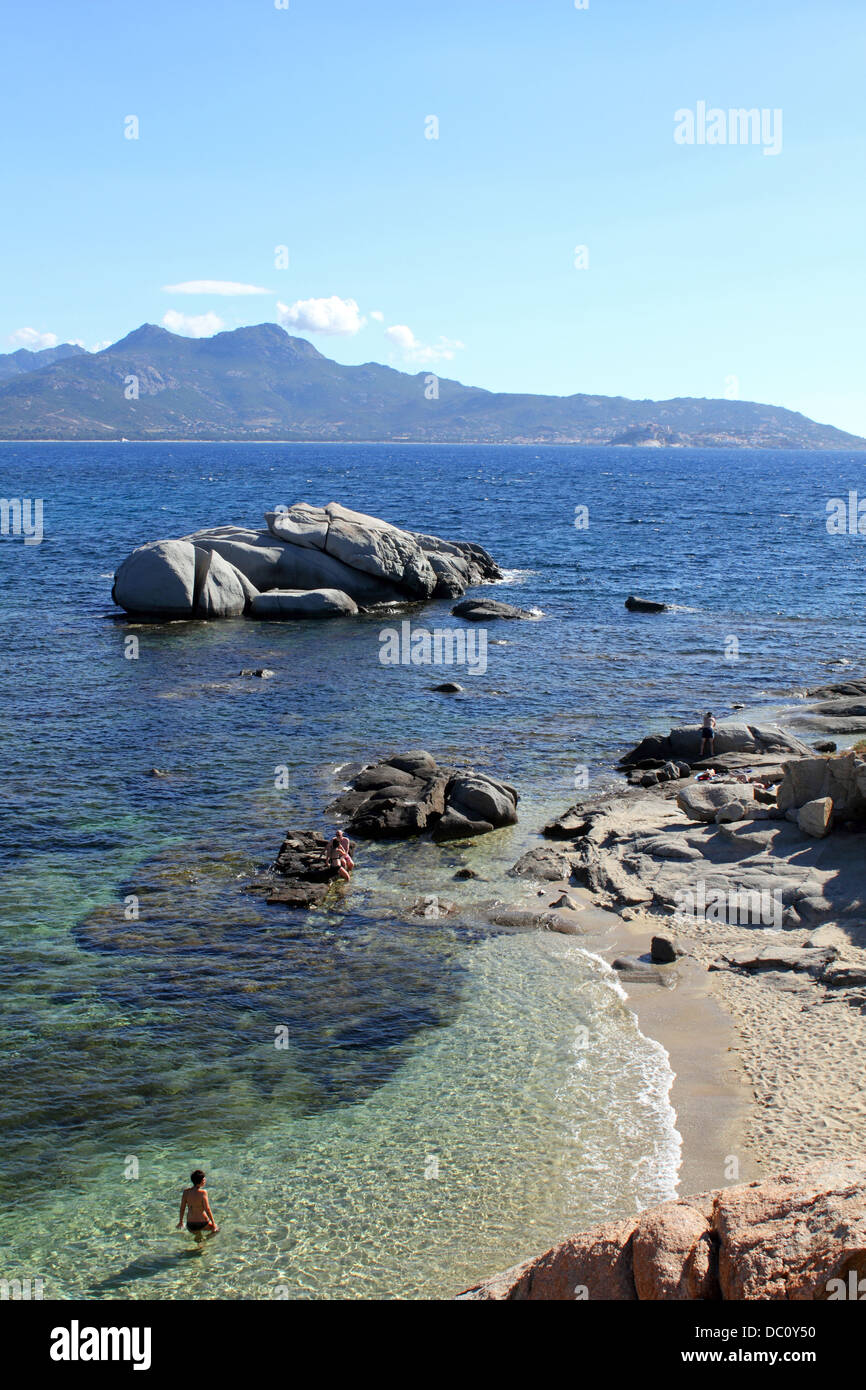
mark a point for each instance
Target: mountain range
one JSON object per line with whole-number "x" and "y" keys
{"x": 260, "y": 383}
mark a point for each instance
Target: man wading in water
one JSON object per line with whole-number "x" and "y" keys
{"x": 199, "y": 1217}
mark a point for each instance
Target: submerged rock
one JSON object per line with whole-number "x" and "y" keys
{"x": 487, "y": 610}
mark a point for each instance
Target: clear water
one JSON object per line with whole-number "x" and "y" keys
{"x": 411, "y": 1043}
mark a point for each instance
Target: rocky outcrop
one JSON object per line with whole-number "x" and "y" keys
{"x": 409, "y": 793}
{"x": 303, "y": 876}
{"x": 797, "y": 1236}
{"x": 639, "y": 849}
{"x": 841, "y": 709}
{"x": 685, "y": 743}
{"x": 220, "y": 572}
{"x": 839, "y": 779}
{"x": 488, "y": 610}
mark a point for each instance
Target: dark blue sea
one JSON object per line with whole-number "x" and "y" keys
{"x": 386, "y": 1104}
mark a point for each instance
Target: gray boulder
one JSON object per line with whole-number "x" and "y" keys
{"x": 254, "y": 553}
{"x": 408, "y": 793}
{"x": 303, "y": 548}
{"x": 702, "y": 801}
{"x": 684, "y": 744}
{"x": 841, "y": 778}
{"x": 543, "y": 863}
{"x": 487, "y": 610}
{"x": 303, "y": 603}
{"x": 361, "y": 542}
{"x": 644, "y": 605}
{"x": 157, "y": 579}
{"x": 816, "y": 817}
{"x": 223, "y": 592}
{"x": 476, "y": 796}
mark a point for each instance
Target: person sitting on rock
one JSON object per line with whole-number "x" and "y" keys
{"x": 708, "y": 735}
{"x": 338, "y": 855}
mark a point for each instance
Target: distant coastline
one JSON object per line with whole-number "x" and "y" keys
{"x": 458, "y": 444}
{"x": 261, "y": 385}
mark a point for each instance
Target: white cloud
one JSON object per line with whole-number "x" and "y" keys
{"x": 401, "y": 336}
{"x": 214, "y": 287}
{"x": 32, "y": 338}
{"x": 424, "y": 354}
{"x": 377, "y": 315}
{"x": 192, "y": 325}
{"x": 333, "y": 315}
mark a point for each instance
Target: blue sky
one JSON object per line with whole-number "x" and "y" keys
{"x": 712, "y": 269}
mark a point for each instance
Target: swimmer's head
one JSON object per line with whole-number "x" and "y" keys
{"x": 197, "y": 1178}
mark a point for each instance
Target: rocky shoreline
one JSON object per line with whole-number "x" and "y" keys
{"x": 729, "y": 896}
{"x": 745, "y": 891}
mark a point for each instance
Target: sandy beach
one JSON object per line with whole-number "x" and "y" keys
{"x": 767, "y": 1061}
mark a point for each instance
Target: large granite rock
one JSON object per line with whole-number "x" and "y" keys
{"x": 637, "y": 848}
{"x": 176, "y": 579}
{"x": 841, "y": 778}
{"x": 797, "y": 1236}
{"x": 157, "y": 578}
{"x": 303, "y": 548}
{"x": 684, "y": 744}
{"x": 409, "y": 793}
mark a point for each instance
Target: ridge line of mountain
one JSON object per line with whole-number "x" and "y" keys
{"x": 258, "y": 383}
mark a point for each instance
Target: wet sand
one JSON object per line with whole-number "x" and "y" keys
{"x": 714, "y": 1101}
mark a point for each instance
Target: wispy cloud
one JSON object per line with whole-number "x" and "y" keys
{"x": 227, "y": 287}
{"x": 332, "y": 315}
{"x": 32, "y": 338}
{"x": 96, "y": 347}
{"x": 425, "y": 354}
{"x": 192, "y": 325}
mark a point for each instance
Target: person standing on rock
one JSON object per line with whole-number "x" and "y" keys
{"x": 708, "y": 735}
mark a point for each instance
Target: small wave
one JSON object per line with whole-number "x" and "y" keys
{"x": 515, "y": 576}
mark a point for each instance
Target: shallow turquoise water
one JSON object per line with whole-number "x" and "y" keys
{"x": 408, "y": 1038}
